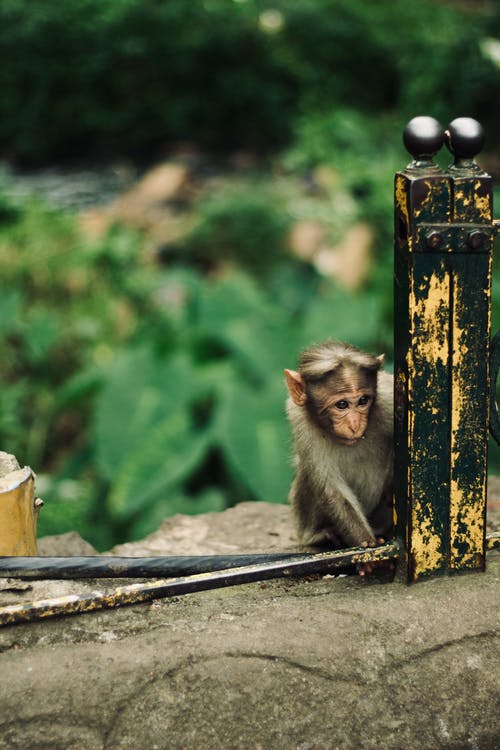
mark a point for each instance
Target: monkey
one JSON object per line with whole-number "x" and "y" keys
{"x": 340, "y": 408}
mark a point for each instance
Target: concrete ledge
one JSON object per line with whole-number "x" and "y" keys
{"x": 314, "y": 664}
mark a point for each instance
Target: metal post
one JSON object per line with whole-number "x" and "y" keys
{"x": 443, "y": 251}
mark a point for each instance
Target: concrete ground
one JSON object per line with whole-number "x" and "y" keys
{"x": 323, "y": 663}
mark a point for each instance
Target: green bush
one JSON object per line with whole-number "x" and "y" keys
{"x": 129, "y": 76}
{"x": 132, "y": 76}
{"x": 247, "y": 226}
{"x": 136, "y": 391}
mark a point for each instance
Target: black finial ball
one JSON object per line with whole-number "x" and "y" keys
{"x": 465, "y": 137}
{"x": 423, "y": 137}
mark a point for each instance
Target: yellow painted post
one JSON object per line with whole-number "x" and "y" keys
{"x": 470, "y": 326}
{"x": 422, "y": 199}
{"x": 18, "y": 513}
{"x": 443, "y": 248}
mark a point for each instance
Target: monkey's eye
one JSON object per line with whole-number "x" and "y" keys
{"x": 364, "y": 400}
{"x": 342, "y": 405}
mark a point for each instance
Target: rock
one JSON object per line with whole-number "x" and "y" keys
{"x": 70, "y": 544}
{"x": 8, "y": 463}
{"x": 493, "y": 512}
{"x": 238, "y": 529}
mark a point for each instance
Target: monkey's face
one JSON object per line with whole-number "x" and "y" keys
{"x": 347, "y": 414}
{"x": 341, "y": 407}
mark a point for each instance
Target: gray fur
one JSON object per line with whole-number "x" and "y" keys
{"x": 338, "y": 490}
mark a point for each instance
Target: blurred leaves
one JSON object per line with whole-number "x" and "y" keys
{"x": 137, "y": 384}
{"x": 145, "y": 441}
{"x": 247, "y": 225}
{"x": 151, "y": 390}
{"x": 129, "y": 76}
{"x": 251, "y": 430}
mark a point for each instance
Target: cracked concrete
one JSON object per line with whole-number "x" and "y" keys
{"x": 331, "y": 663}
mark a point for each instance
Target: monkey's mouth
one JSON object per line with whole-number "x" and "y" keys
{"x": 349, "y": 441}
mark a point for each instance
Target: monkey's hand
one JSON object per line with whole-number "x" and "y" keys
{"x": 366, "y": 568}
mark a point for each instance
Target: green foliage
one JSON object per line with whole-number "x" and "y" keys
{"x": 130, "y": 76}
{"x": 137, "y": 391}
{"x": 247, "y": 226}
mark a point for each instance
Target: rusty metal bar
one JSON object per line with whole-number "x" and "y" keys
{"x": 138, "y": 593}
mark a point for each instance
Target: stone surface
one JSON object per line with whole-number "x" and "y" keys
{"x": 8, "y": 463}
{"x": 65, "y": 545}
{"x": 313, "y": 664}
{"x": 248, "y": 527}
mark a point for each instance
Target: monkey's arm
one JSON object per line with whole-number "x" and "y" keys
{"x": 333, "y": 517}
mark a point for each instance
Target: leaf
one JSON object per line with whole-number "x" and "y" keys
{"x": 252, "y": 431}
{"x": 168, "y": 453}
{"x": 41, "y": 330}
{"x": 145, "y": 441}
{"x": 75, "y": 389}
{"x": 259, "y": 333}
{"x": 140, "y": 392}
{"x": 10, "y": 310}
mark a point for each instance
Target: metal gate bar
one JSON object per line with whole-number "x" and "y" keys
{"x": 323, "y": 562}
{"x": 444, "y": 233}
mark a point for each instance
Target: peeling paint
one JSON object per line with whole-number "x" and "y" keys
{"x": 441, "y": 347}
{"x": 482, "y": 203}
{"x": 429, "y": 315}
{"x": 468, "y": 458}
{"x": 466, "y": 525}
{"x": 428, "y": 195}
{"x": 426, "y": 545}
{"x": 400, "y": 193}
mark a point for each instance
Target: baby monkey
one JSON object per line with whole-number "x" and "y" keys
{"x": 340, "y": 409}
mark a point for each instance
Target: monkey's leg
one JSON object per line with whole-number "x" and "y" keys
{"x": 349, "y": 521}
{"x": 313, "y": 523}
{"x": 325, "y": 537}
{"x": 333, "y": 518}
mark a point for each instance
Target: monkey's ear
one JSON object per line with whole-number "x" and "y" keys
{"x": 296, "y": 387}
{"x": 381, "y": 359}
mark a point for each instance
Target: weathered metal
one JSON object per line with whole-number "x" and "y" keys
{"x": 444, "y": 234}
{"x": 136, "y": 593}
{"x": 493, "y": 540}
{"x": 100, "y": 566}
